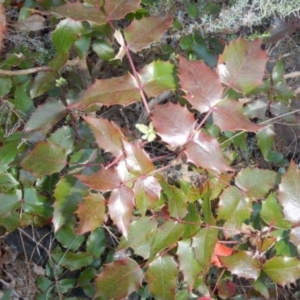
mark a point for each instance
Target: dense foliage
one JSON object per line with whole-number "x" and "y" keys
{"x": 140, "y": 155}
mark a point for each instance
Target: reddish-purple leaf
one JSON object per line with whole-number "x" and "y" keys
{"x": 80, "y": 12}
{"x": 162, "y": 277}
{"x": 108, "y": 136}
{"x": 288, "y": 194}
{"x": 137, "y": 161}
{"x": 120, "y": 207}
{"x": 119, "y": 279}
{"x": 242, "y": 264}
{"x": 141, "y": 33}
{"x": 104, "y": 180}
{"x": 117, "y": 9}
{"x": 174, "y": 123}
{"x": 283, "y": 270}
{"x": 188, "y": 265}
{"x": 235, "y": 209}
{"x": 117, "y": 90}
{"x": 147, "y": 192}
{"x": 228, "y": 115}
{"x": 157, "y": 78}
{"x": 242, "y": 65}
{"x": 202, "y": 85}
{"x": 91, "y": 213}
{"x": 204, "y": 151}
{"x": 256, "y": 183}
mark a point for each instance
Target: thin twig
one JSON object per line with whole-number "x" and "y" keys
{"x": 24, "y": 72}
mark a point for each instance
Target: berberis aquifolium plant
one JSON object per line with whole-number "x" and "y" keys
{"x": 91, "y": 144}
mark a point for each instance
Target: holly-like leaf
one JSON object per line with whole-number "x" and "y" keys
{"x": 80, "y": 12}
{"x": 228, "y": 115}
{"x": 96, "y": 242}
{"x": 162, "y": 277}
{"x": 204, "y": 151}
{"x": 43, "y": 82}
{"x": 295, "y": 235}
{"x": 108, "y": 136}
{"x": 117, "y": 90}
{"x": 173, "y": 123}
{"x": 157, "y": 78}
{"x": 91, "y": 213}
{"x": 120, "y": 207}
{"x": 256, "y": 183}
{"x": 139, "y": 234}
{"x": 147, "y": 192}
{"x": 45, "y": 116}
{"x": 204, "y": 242}
{"x": 188, "y": 265}
{"x": 73, "y": 261}
{"x": 234, "y": 208}
{"x": 104, "y": 180}
{"x": 165, "y": 236}
{"x": 288, "y": 194}
{"x": 137, "y": 161}
{"x": 117, "y": 9}
{"x": 9, "y": 202}
{"x": 66, "y": 33}
{"x": 119, "y": 279}
{"x": 68, "y": 194}
{"x": 141, "y": 33}
{"x": 242, "y": 264}
{"x": 202, "y": 85}
{"x": 242, "y": 65}
{"x": 282, "y": 270}
{"x": 44, "y": 159}
{"x": 271, "y": 213}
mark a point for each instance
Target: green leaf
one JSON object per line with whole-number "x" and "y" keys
{"x": 68, "y": 239}
{"x": 288, "y": 194}
{"x": 165, "y": 236}
{"x": 256, "y": 183}
{"x": 43, "y": 82}
{"x": 44, "y": 159}
{"x": 271, "y": 213}
{"x": 5, "y": 86}
{"x": 73, "y": 261}
{"x": 36, "y": 204}
{"x": 139, "y": 235}
{"x": 158, "y": 77}
{"x": 162, "y": 277}
{"x": 63, "y": 136}
{"x": 282, "y": 270}
{"x": 68, "y": 193}
{"x": 8, "y": 153}
{"x": 278, "y": 71}
{"x": 7, "y": 182}
{"x": 119, "y": 279}
{"x": 66, "y": 284}
{"x": 96, "y": 242}
{"x": 204, "y": 242}
{"x": 189, "y": 266}
{"x": 193, "y": 221}
{"x": 242, "y": 264}
{"x": 235, "y": 209}
{"x": 46, "y": 116}
{"x": 103, "y": 49}
{"x": 91, "y": 213}
{"x": 9, "y": 202}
